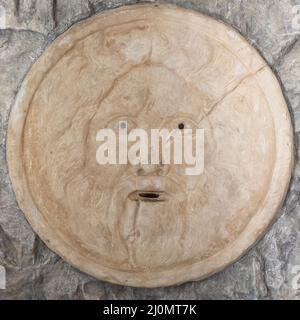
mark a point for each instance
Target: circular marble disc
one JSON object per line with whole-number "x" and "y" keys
{"x": 154, "y": 66}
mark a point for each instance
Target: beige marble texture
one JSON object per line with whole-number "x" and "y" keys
{"x": 162, "y": 65}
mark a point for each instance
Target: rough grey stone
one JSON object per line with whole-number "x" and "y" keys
{"x": 18, "y": 50}
{"x": 34, "y": 15}
{"x": 33, "y": 271}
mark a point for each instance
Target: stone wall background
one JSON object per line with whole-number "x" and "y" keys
{"x": 267, "y": 271}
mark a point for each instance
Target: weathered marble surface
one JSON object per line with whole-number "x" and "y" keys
{"x": 33, "y": 271}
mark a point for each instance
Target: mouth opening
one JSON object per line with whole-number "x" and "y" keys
{"x": 149, "y": 195}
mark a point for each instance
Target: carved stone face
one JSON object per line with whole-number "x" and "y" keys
{"x": 120, "y": 195}
{"x": 150, "y": 225}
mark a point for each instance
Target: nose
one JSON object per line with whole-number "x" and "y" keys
{"x": 151, "y": 169}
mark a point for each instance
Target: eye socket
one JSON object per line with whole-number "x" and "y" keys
{"x": 181, "y": 126}
{"x": 121, "y": 123}
{"x": 180, "y": 123}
